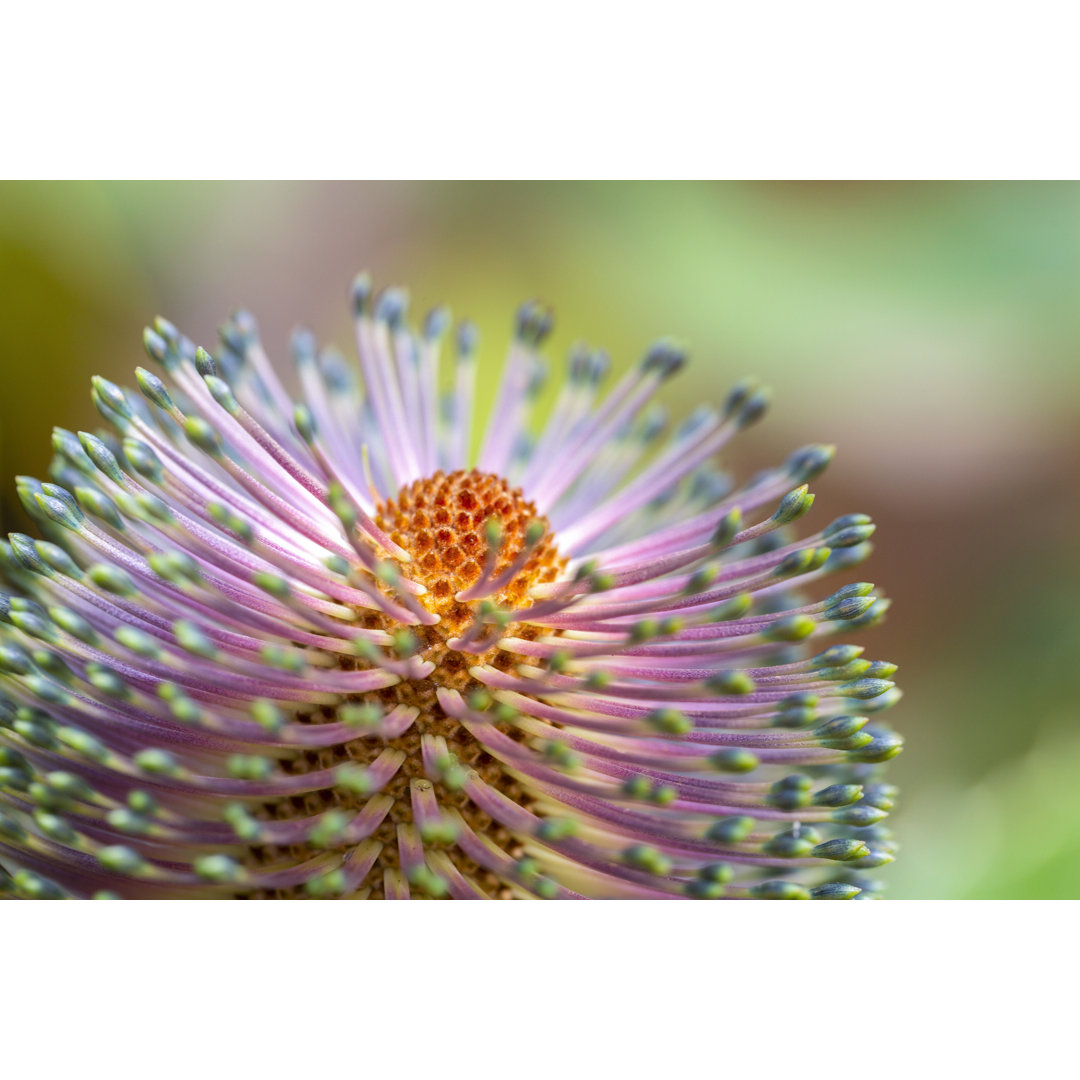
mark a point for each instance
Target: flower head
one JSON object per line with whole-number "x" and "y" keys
{"x": 324, "y": 649}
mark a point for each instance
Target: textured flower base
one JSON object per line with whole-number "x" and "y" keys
{"x": 275, "y": 650}
{"x": 440, "y": 521}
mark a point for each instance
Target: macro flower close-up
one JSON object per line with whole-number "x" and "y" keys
{"x": 430, "y": 469}
{"x": 363, "y": 642}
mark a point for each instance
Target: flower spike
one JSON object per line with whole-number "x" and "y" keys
{"x": 318, "y": 649}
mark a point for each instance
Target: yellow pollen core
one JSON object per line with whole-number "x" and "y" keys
{"x": 442, "y": 522}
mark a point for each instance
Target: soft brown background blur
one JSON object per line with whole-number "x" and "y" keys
{"x": 931, "y": 331}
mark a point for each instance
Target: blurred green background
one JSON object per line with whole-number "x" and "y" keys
{"x": 932, "y": 331}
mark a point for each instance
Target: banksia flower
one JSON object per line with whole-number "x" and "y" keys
{"x": 324, "y": 649}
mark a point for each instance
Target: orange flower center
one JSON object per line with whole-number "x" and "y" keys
{"x": 442, "y": 522}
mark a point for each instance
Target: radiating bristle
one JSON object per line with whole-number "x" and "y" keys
{"x": 316, "y": 649}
